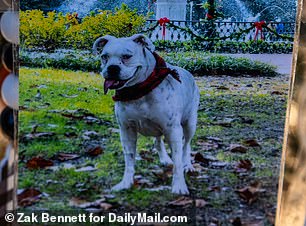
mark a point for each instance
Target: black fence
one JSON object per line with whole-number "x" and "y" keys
{"x": 220, "y": 30}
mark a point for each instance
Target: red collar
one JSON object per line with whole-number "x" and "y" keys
{"x": 139, "y": 90}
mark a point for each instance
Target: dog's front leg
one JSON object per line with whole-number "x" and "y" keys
{"x": 128, "y": 137}
{"x": 175, "y": 140}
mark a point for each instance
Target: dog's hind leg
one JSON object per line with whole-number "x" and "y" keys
{"x": 189, "y": 129}
{"x": 128, "y": 137}
{"x": 162, "y": 153}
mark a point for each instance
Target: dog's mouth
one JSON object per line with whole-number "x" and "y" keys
{"x": 117, "y": 84}
{"x": 113, "y": 84}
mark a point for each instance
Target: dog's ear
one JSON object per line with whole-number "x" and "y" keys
{"x": 100, "y": 43}
{"x": 144, "y": 41}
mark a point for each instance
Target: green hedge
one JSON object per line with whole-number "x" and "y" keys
{"x": 40, "y": 31}
{"x": 198, "y": 63}
{"x": 226, "y": 46}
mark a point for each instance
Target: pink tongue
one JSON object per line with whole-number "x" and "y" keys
{"x": 107, "y": 84}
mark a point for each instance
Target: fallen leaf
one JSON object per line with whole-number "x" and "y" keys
{"x": 251, "y": 143}
{"x": 200, "y": 158}
{"x": 181, "y": 202}
{"x": 222, "y": 88}
{"x": 276, "y": 92}
{"x": 250, "y": 193}
{"x": 94, "y": 151}
{"x": 38, "y": 162}
{"x": 65, "y": 156}
{"x": 238, "y": 148}
{"x": 243, "y": 166}
{"x": 28, "y": 197}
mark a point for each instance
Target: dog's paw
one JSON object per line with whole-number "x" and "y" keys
{"x": 180, "y": 188}
{"x": 122, "y": 185}
{"x": 166, "y": 160}
{"x": 189, "y": 168}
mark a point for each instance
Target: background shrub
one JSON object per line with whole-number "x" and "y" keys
{"x": 55, "y": 30}
{"x": 197, "y": 63}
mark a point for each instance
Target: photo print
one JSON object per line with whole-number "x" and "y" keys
{"x": 136, "y": 112}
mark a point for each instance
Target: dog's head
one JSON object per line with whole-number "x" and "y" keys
{"x": 124, "y": 61}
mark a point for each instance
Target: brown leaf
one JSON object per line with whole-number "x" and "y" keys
{"x": 94, "y": 151}
{"x": 238, "y": 148}
{"x": 28, "y": 197}
{"x": 252, "y": 143}
{"x": 222, "y": 88}
{"x": 276, "y": 92}
{"x": 243, "y": 166}
{"x": 250, "y": 193}
{"x": 200, "y": 158}
{"x": 65, "y": 157}
{"x": 181, "y": 202}
{"x": 38, "y": 162}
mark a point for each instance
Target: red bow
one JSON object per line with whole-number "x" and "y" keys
{"x": 208, "y": 16}
{"x": 259, "y": 26}
{"x": 162, "y": 22}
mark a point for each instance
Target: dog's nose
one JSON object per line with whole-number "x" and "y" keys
{"x": 113, "y": 72}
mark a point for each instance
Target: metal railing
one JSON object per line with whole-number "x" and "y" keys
{"x": 188, "y": 30}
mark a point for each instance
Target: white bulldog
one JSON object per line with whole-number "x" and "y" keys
{"x": 153, "y": 98}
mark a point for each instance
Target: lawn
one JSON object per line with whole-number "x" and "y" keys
{"x": 236, "y": 149}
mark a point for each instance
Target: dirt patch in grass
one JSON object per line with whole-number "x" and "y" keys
{"x": 236, "y": 150}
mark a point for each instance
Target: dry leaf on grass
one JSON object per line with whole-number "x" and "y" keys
{"x": 250, "y": 193}
{"x": 243, "y": 166}
{"x": 252, "y": 143}
{"x": 28, "y": 197}
{"x": 238, "y": 148}
{"x": 94, "y": 151}
{"x": 38, "y": 162}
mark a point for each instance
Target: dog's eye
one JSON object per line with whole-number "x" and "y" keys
{"x": 126, "y": 57}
